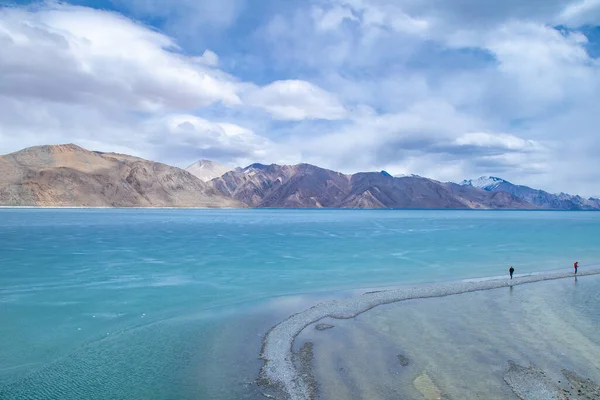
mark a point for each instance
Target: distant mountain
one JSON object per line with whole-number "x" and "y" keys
{"x": 308, "y": 186}
{"x": 536, "y": 197}
{"x": 285, "y": 186}
{"x": 205, "y": 170}
{"x": 68, "y": 175}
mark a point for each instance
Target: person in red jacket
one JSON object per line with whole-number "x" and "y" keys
{"x": 575, "y": 265}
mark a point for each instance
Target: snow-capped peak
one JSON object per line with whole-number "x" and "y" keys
{"x": 484, "y": 182}
{"x": 204, "y": 164}
{"x": 206, "y": 170}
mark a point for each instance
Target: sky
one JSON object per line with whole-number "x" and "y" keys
{"x": 447, "y": 89}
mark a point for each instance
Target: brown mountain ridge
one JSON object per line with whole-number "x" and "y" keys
{"x": 69, "y": 175}
{"x": 308, "y": 186}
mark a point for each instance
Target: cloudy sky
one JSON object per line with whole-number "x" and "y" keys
{"x": 448, "y": 89}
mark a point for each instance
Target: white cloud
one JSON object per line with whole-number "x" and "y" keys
{"x": 187, "y": 136}
{"x": 296, "y": 100}
{"x": 331, "y": 19}
{"x": 96, "y": 78}
{"x": 581, "y": 12}
{"x": 37, "y": 122}
{"x": 373, "y": 140}
{"x": 543, "y": 64}
{"x": 83, "y": 56}
{"x": 208, "y": 58}
{"x": 387, "y": 15}
{"x": 500, "y": 67}
{"x": 451, "y": 89}
{"x": 503, "y": 141}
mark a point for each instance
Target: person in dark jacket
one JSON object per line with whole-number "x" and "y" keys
{"x": 511, "y": 271}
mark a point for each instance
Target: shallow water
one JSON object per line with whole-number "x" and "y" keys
{"x": 458, "y": 347}
{"x": 174, "y": 303}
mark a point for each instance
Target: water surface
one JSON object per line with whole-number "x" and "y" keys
{"x": 105, "y": 304}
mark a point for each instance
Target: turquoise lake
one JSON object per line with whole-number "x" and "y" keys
{"x": 173, "y": 304}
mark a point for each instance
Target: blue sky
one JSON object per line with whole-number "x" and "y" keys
{"x": 448, "y": 89}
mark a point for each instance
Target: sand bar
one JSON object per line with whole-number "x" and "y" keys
{"x": 279, "y": 370}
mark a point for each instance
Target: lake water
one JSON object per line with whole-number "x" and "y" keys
{"x": 459, "y": 347}
{"x": 173, "y": 304}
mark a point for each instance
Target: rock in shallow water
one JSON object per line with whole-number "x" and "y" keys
{"x": 581, "y": 387}
{"x": 530, "y": 383}
{"x": 322, "y": 327}
{"x": 403, "y": 360}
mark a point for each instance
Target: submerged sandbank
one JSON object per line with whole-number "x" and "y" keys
{"x": 280, "y": 371}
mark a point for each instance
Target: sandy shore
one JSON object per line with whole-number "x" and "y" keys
{"x": 281, "y": 372}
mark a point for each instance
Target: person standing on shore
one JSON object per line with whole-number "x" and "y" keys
{"x": 576, "y": 265}
{"x": 511, "y": 271}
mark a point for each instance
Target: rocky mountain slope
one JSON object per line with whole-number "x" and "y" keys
{"x": 68, "y": 175}
{"x": 536, "y": 197}
{"x": 308, "y": 186}
{"x": 205, "y": 170}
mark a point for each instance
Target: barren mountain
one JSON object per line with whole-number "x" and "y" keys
{"x": 481, "y": 199}
{"x": 539, "y": 198}
{"x": 298, "y": 186}
{"x": 68, "y": 175}
{"x": 308, "y": 186}
{"x": 205, "y": 170}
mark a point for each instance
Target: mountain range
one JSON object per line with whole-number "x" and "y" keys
{"x": 308, "y": 186}
{"x": 68, "y": 175}
{"x": 535, "y": 197}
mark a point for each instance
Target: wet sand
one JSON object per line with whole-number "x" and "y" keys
{"x": 465, "y": 340}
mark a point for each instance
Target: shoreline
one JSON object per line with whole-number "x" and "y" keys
{"x": 301, "y": 209}
{"x": 114, "y": 208}
{"x": 279, "y": 371}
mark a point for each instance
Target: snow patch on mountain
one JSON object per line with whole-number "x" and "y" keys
{"x": 488, "y": 183}
{"x": 206, "y": 170}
